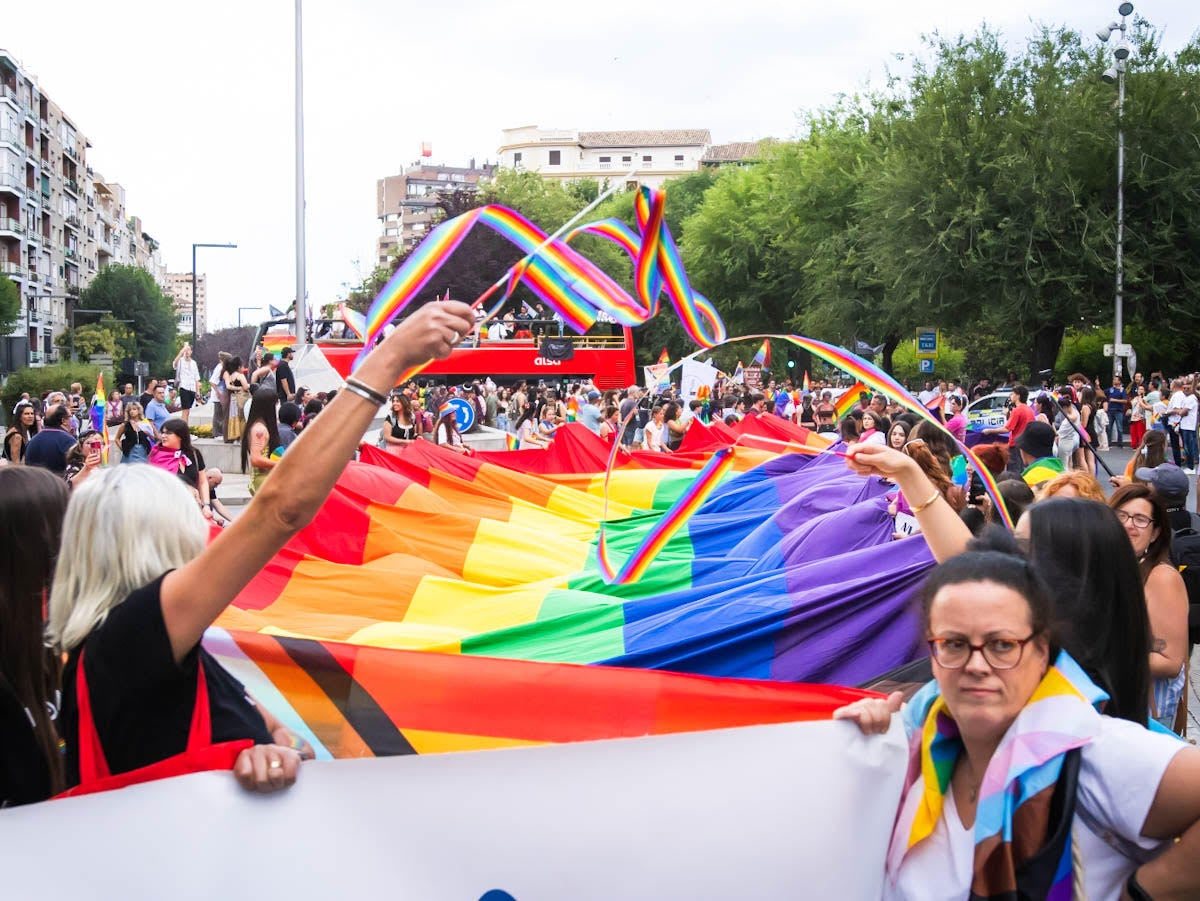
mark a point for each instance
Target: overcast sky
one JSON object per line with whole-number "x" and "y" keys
{"x": 190, "y": 106}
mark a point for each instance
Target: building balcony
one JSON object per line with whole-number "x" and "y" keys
{"x": 72, "y": 222}
{"x": 72, "y": 153}
{"x": 7, "y": 93}
{"x": 71, "y": 254}
{"x": 44, "y": 127}
{"x": 71, "y": 185}
{"x": 46, "y": 188}
{"x": 73, "y": 290}
{"x": 8, "y": 136}
{"x": 10, "y": 182}
{"x": 12, "y": 270}
{"x": 11, "y": 228}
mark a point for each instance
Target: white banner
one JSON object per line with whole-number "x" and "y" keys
{"x": 657, "y": 376}
{"x": 694, "y": 375}
{"x": 799, "y": 810}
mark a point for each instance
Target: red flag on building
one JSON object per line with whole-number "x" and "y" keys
{"x": 426, "y": 148}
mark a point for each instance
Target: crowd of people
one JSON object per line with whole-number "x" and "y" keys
{"x": 1045, "y": 738}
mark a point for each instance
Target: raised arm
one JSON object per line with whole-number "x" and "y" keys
{"x": 945, "y": 533}
{"x": 194, "y": 595}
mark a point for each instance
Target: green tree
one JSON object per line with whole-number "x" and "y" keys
{"x": 10, "y": 304}
{"x": 99, "y": 338}
{"x": 130, "y": 292}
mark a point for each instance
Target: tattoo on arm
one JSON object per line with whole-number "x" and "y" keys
{"x": 1158, "y": 646}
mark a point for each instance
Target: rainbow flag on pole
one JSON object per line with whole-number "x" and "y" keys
{"x": 763, "y": 357}
{"x": 99, "y": 420}
{"x": 847, "y": 401}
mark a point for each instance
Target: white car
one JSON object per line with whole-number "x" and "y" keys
{"x": 989, "y": 411}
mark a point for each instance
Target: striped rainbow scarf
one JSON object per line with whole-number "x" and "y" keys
{"x": 1014, "y": 798}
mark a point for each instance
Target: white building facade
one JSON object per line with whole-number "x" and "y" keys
{"x": 651, "y": 156}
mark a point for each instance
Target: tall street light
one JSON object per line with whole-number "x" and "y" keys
{"x": 194, "y": 246}
{"x": 1116, "y": 73}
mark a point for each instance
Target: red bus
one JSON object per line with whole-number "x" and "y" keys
{"x": 604, "y": 353}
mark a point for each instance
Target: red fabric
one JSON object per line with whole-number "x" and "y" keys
{"x": 770, "y": 426}
{"x": 200, "y": 755}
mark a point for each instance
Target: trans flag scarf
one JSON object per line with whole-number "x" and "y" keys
{"x": 1022, "y": 833}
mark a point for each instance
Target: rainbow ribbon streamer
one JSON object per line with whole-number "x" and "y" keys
{"x": 868, "y": 376}
{"x": 354, "y": 320}
{"x": 571, "y": 284}
{"x": 875, "y": 378}
{"x": 651, "y": 546}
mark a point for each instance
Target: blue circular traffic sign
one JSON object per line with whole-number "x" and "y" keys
{"x": 464, "y": 413}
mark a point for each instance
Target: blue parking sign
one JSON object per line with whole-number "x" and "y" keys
{"x": 926, "y": 367}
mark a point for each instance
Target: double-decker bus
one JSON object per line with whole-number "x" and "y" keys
{"x": 604, "y": 353}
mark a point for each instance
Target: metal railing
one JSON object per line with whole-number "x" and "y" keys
{"x": 13, "y": 269}
{"x": 8, "y": 136}
{"x": 72, "y": 221}
{"x": 12, "y": 225}
{"x": 71, "y": 185}
{"x": 8, "y": 180}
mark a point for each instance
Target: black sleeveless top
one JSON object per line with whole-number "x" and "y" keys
{"x": 404, "y": 432}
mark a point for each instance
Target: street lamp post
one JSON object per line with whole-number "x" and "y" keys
{"x": 194, "y": 246}
{"x": 241, "y": 310}
{"x": 1116, "y": 73}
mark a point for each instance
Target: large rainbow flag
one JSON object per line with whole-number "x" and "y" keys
{"x": 406, "y": 616}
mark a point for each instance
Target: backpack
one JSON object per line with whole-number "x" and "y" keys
{"x": 1185, "y": 554}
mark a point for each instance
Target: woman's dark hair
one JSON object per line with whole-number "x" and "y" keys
{"x": 405, "y": 404}
{"x": 312, "y": 408}
{"x": 1155, "y": 446}
{"x": 527, "y": 413}
{"x": 939, "y": 442}
{"x": 1017, "y": 496}
{"x": 77, "y": 454}
{"x": 33, "y": 503}
{"x": 1047, "y": 407}
{"x": 1159, "y": 550}
{"x": 1100, "y": 617}
{"x": 1087, "y": 395}
{"x": 993, "y": 557}
{"x": 849, "y": 429}
{"x": 262, "y": 409}
{"x": 180, "y": 429}
{"x": 670, "y": 412}
{"x": 904, "y": 427}
{"x": 233, "y": 364}
{"x": 25, "y": 433}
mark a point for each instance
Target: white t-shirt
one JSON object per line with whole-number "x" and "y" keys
{"x": 1188, "y": 423}
{"x": 1119, "y": 774}
{"x": 654, "y": 436}
{"x": 187, "y": 376}
{"x": 1178, "y": 400}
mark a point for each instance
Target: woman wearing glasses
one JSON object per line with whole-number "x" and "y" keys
{"x": 1144, "y": 517}
{"x": 1017, "y": 785}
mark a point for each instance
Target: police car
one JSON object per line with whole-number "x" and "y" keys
{"x": 990, "y": 411}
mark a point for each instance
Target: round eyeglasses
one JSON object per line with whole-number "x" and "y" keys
{"x": 1141, "y": 520}
{"x": 998, "y": 653}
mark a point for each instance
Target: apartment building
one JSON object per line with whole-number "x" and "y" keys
{"x": 407, "y": 204}
{"x": 179, "y": 289}
{"x": 60, "y": 223}
{"x": 568, "y": 155}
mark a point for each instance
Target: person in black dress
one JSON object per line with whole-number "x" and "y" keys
{"x": 141, "y": 616}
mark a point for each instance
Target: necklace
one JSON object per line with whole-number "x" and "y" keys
{"x": 973, "y": 783}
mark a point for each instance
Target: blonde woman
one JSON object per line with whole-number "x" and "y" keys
{"x": 142, "y": 615}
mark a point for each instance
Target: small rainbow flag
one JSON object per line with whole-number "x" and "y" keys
{"x": 511, "y": 441}
{"x": 572, "y": 408}
{"x": 806, "y": 386}
{"x": 739, "y": 375}
{"x": 847, "y": 401}
{"x": 763, "y": 357}
{"x": 99, "y": 419}
{"x": 664, "y": 358}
